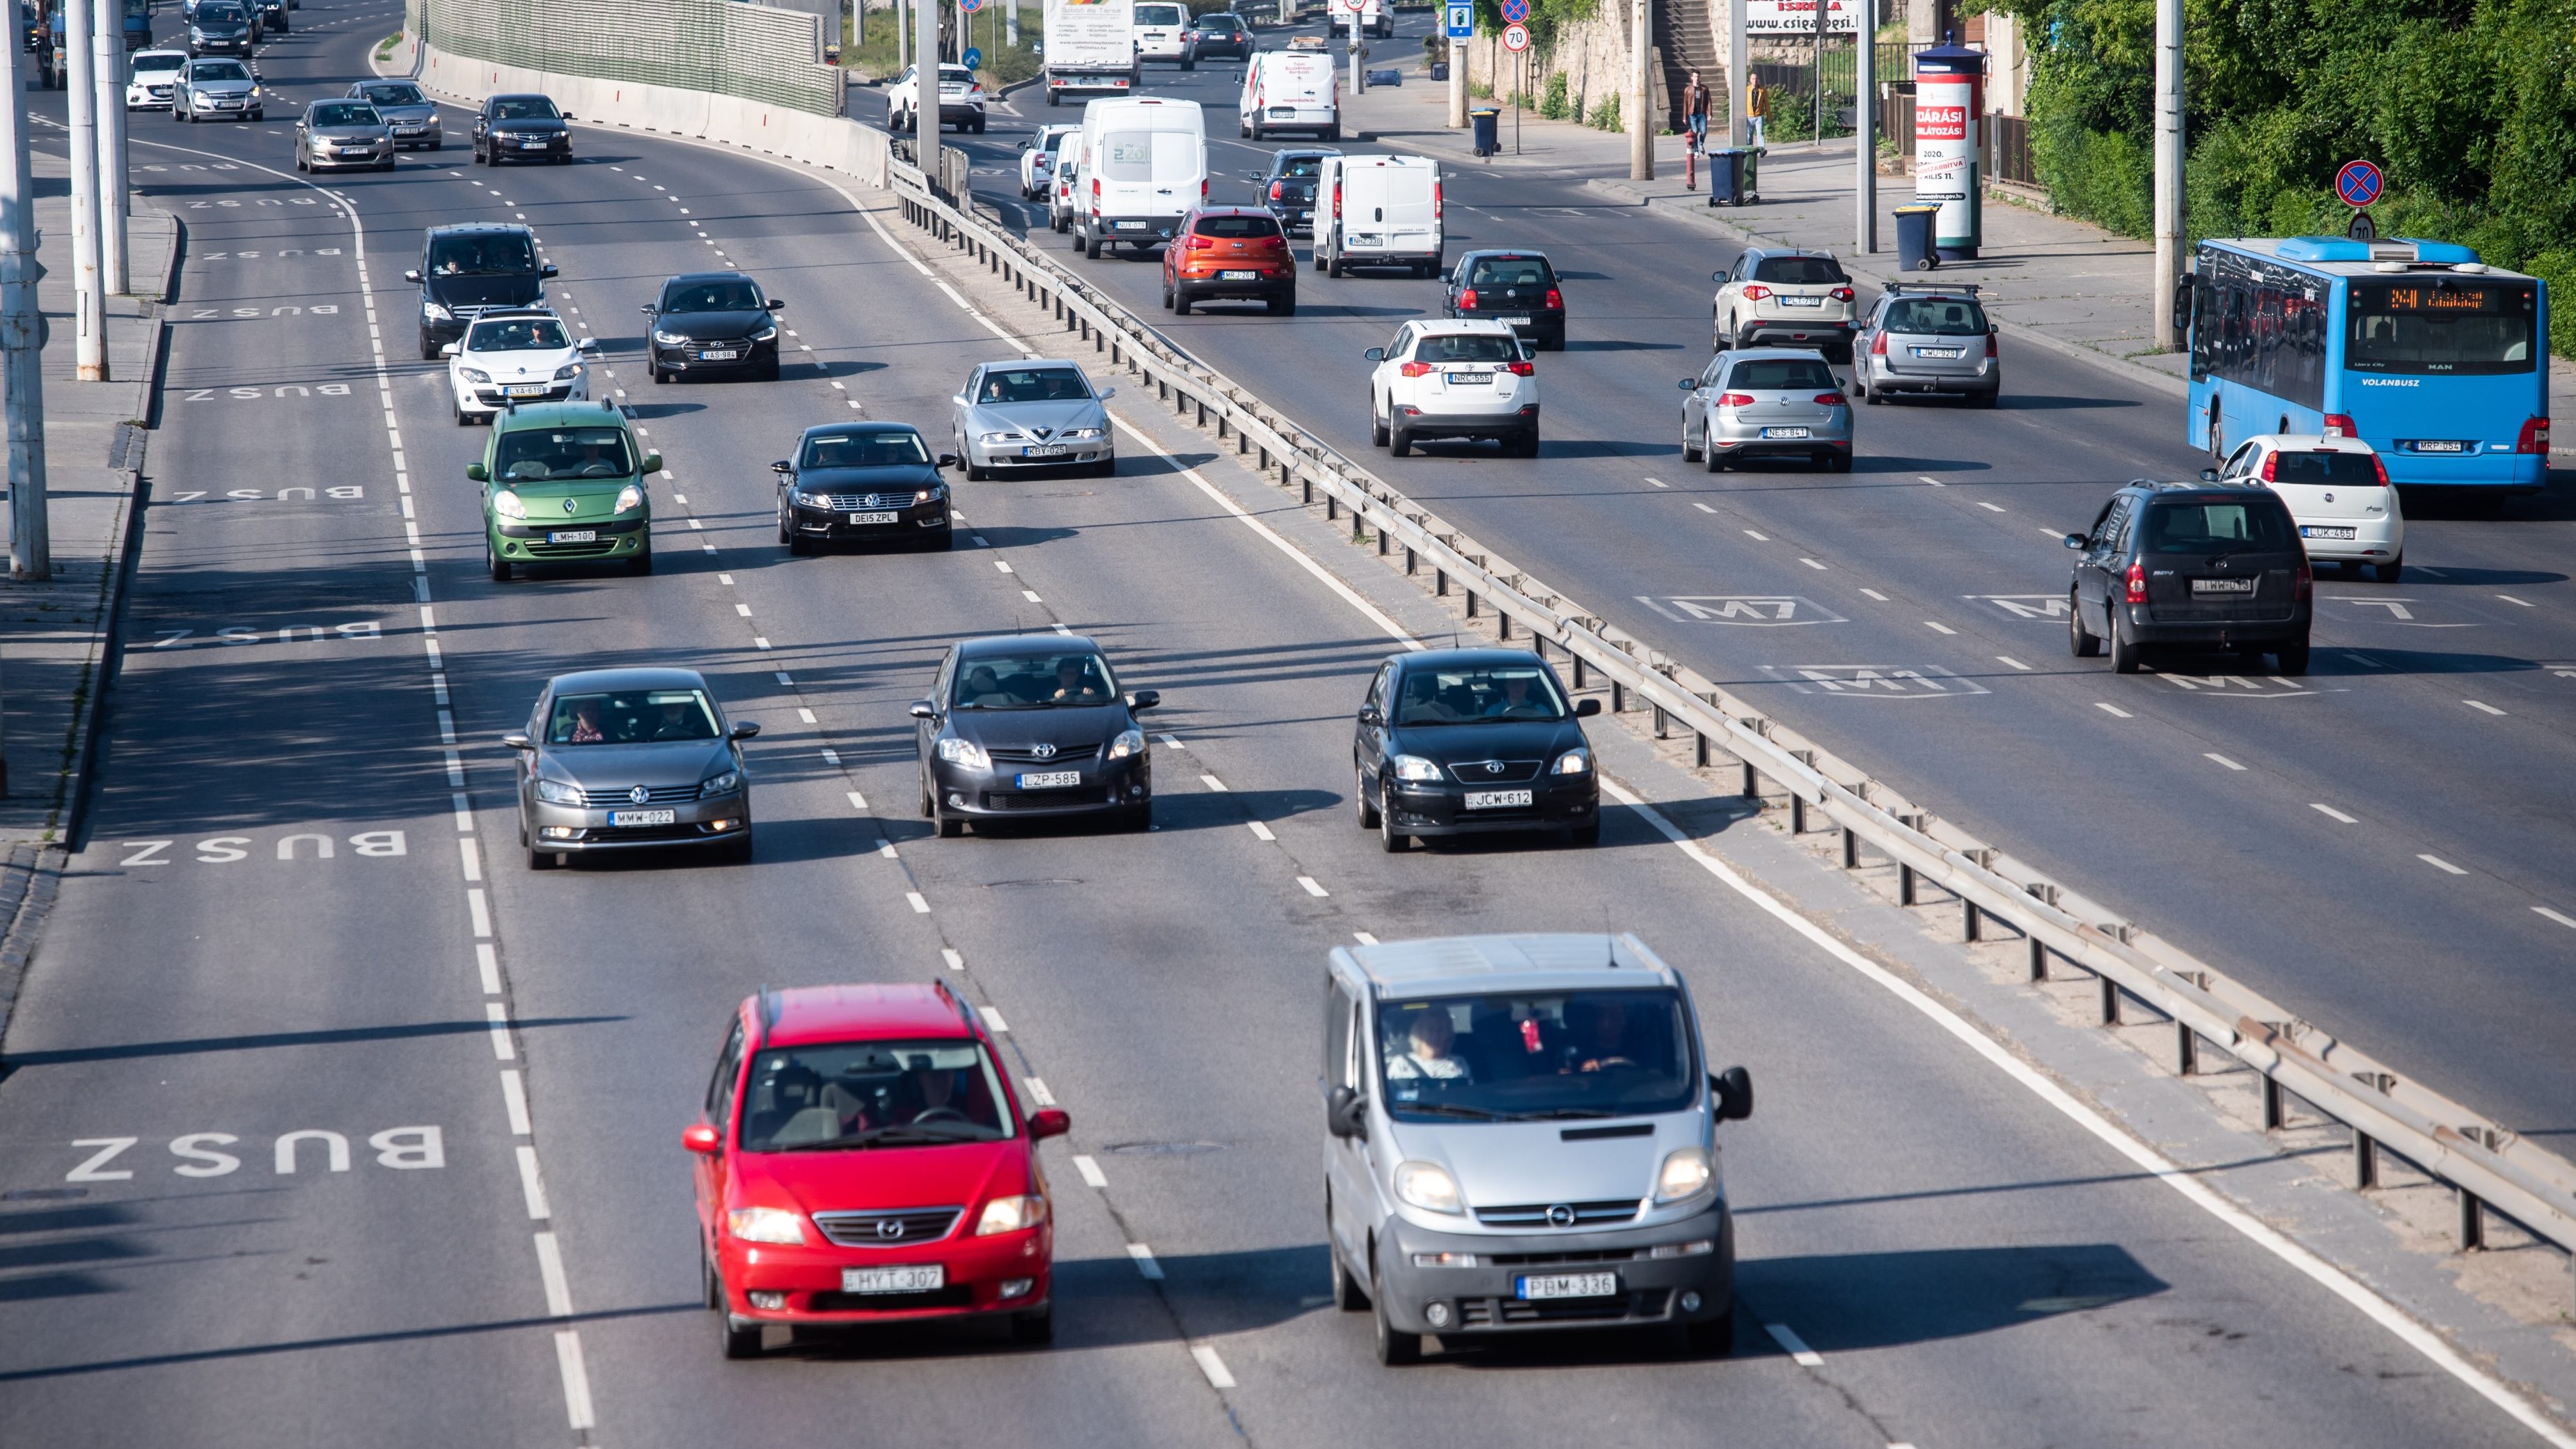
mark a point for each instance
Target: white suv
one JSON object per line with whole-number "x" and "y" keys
{"x": 2338, "y": 494}
{"x": 961, "y": 101}
{"x": 1453, "y": 379}
{"x": 1784, "y": 297}
{"x": 515, "y": 356}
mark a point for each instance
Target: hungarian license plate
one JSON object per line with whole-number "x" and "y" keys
{"x": 718, "y": 354}
{"x": 1365, "y": 239}
{"x": 1802, "y": 301}
{"x": 927, "y": 1278}
{"x": 524, "y": 389}
{"x": 1238, "y": 276}
{"x": 1784, "y": 432}
{"x": 1277, "y": 111}
{"x": 2441, "y": 445}
{"x": 573, "y": 535}
{"x": 1051, "y": 780}
{"x": 2222, "y": 586}
{"x": 1497, "y": 799}
{"x": 1513, "y": 321}
{"x": 873, "y": 517}
{"x": 642, "y": 817}
{"x": 2319, "y": 531}
{"x": 1127, "y": 226}
{"x": 532, "y": 145}
{"x": 1940, "y": 351}
{"x": 1534, "y": 1287}
{"x": 1457, "y": 378}
{"x": 1045, "y": 450}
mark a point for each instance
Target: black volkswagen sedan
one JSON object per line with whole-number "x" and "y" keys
{"x": 629, "y": 759}
{"x": 1462, "y": 741}
{"x": 1024, "y": 726}
{"x": 862, "y": 481}
{"x": 712, "y": 322}
{"x": 521, "y": 128}
{"x": 1516, "y": 288}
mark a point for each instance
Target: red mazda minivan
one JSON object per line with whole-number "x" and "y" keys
{"x": 862, "y": 1159}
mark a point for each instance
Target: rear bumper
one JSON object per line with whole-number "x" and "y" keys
{"x": 1744, "y": 439}
{"x": 1499, "y": 424}
{"x": 1541, "y": 323}
{"x": 1281, "y": 283}
{"x": 2138, "y": 624}
{"x": 1133, "y": 230}
{"x": 2374, "y": 540}
{"x": 1485, "y": 1299}
{"x": 1801, "y": 332}
{"x": 1879, "y": 377}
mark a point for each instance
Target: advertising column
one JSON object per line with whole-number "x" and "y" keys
{"x": 1949, "y": 103}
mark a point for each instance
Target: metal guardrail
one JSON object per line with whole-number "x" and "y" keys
{"x": 756, "y": 52}
{"x": 2488, "y": 1165}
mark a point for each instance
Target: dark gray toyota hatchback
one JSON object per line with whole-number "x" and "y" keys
{"x": 2211, "y": 565}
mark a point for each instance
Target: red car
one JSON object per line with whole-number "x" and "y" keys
{"x": 1230, "y": 253}
{"x": 862, "y": 1159}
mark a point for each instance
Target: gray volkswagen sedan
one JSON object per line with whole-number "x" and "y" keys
{"x": 1036, "y": 414}
{"x": 1767, "y": 402}
{"x": 342, "y": 133}
{"x": 631, "y": 759}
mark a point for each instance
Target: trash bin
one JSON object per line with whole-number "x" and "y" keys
{"x": 1915, "y": 250}
{"x": 1726, "y": 175}
{"x": 1488, "y": 124}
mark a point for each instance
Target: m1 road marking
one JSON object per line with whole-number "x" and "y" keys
{"x": 1875, "y": 681}
{"x": 2026, "y": 606}
{"x": 219, "y": 314}
{"x": 401, "y": 1148}
{"x": 252, "y": 394}
{"x": 292, "y": 633}
{"x": 2238, "y": 686}
{"x": 1767, "y": 610}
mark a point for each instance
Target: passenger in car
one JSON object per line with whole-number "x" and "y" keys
{"x": 1428, "y": 1050}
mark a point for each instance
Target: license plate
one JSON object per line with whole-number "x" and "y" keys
{"x": 1127, "y": 226}
{"x": 2441, "y": 445}
{"x": 573, "y": 535}
{"x": 718, "y": 354}
{"x": 1513, "y": 321}
{"x": 2306, "y": 531}
{"x": 1051, "y": 780}
{"x": 1238, "y": 276}
{"x": 1940, "y": 352}
{"x": 1045, "y": 450}
{"x": 1537, "y": 1286}
{"x": 873, "y": 517}
{"x": 1368, "y": 239}
{"x": 1499, "y": 800}
{"x": 532, "y": 145}
{"x": 1784, "y": 432}
{"x": 1458, "y": 378}
{"x": 524, "y": 389}
{"x": 2222, "y": 586}
{"x": 929, "y": 1278}
{"x": 1277, "y": 111}
{"x": 642, "y": 817}
{"x": 1802, "y": 301}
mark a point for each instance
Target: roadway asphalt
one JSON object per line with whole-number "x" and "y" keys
{"x": 1967, "y": 1266}
{"x": 2382, "y": 846}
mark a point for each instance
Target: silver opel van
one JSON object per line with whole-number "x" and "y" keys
{"x": 1521, "y": 1135}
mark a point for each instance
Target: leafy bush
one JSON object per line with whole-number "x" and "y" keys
{"x": 1605, "y": 116}
{"x": 1559, "y": 101}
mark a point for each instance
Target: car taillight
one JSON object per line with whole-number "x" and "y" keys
{"x": 2379, "y": 468}
{"x": 1831, "y": 399}
{"x": 1990, "y": 344}
{"x": 2535, "y": 436}
{"x": 1467, "y": 298}
{"x": 1278, "y": 190}
{"x": 2137, "y": 583}
{"x": 1840, "y": 294}
{"x": 2271, "y": 467}
{"x": 1415, "y": 369}
{"x": 2339, "y": 425}
{"x": 1202, "y": 191}
{"x": 1095, "y": 188}
{"x": 1435, "y": 201}
{"x": 1274, "y": 242}
{"x": 2307, "y": 578}
{"x": 1735, "y": 399}
{"x": 1202, "y": 243}
{"x": 1337, "y": 201}
{"x": 1756, "y": 293}
{"x": 1878, "y": 344}
{"x": 1555, "y": 300}
{"x": 1522, "y": 369}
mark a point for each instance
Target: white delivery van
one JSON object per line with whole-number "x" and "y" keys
{"x": 1090, "y": 48}
{"x": 1160, "y": 27}
{"x": 1144, "y": 164}
{"x": 1290, "y": 90}
{"x": 1378, "y": 211}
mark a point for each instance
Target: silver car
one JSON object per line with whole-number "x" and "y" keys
{"x": 631, "y": 759}
{"x": 405, "y": 107}
{"x": 1923, "y": 338}
{"x": 1038, "y": 414}
{"x": 1767, "y": 402}
{"x": 342, "y": 133}
{"x": 217, "y": 90}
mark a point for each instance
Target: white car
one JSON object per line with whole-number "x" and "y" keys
{"x": 2338, "y": 494}
{"x": 153, "y": 79}
{"x": 1453, "y": 379}
{"x": 1037, "y": 161}
{"x": 511, "y": 356}
{"x": 961, "y": 101}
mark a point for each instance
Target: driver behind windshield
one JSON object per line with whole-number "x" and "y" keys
{"x": 871, "y": 1094}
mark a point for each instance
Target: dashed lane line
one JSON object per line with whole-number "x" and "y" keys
{"x": 2332, "y": 813}
{"x": 1794, "y": 1346}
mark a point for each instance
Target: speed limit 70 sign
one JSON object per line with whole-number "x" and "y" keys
{"x": 1516, "y": 37}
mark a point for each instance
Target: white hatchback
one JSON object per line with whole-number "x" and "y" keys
{"x": 1454, "y": 379}
{"x": 1037, "y": 161}
{"x": 2338, "y": 494}
{"x": 153, "y": 79}
{"x": 512, "y": 357}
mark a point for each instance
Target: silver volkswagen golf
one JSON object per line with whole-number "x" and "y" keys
{"x": 628, "y": 759}
{"x": 1767, "y": 402}
{"x": 1036, "y": 414}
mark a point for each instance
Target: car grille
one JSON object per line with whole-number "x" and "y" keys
{"x": 1061, "y": 754}
{"x": 1044, "y": 799}
{"x": 1549, "y": 1260}
{"x": 605, "y": 798}
{"x": 865, "y": 1230}
{"x": 540, "y": 549}
{"x": 1644, "y": 1305}
{"x": 859, "y": 502}
{"x": 1513, "y": 772}
{"x": 955, "y": 1295}
{"x": 1534, "y": 1215}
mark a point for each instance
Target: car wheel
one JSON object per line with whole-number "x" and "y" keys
{"x": 1368, "y": 820}
{"x": 494, "y": 564}
{"x": 2124, "y": 648}
{"x": 2293, "y": 657}
{"x": 769, "y": 369}
{"x": 948, "y": 829}
{"x": 1690, "y": 450}
{"x": 739, "y": 1342}
{"x": 463, "y": 419}
{"x": 1081, "y": 245}
{"x": 659, "y": 376}
{"x": 1316, "y": 251}
{"x": 1180, "y": 304}
{"x": 542, "y": 859}
{"x": 2391, "y": 571}
{"x": 928, "y": 810}
{"x": 1395, "y": 1350}
{"x": 1399, "y": 442}
{"x": 2079, "y": 640}
{"x": 1991, "y": 397}
{"x": 1348, "y": 1295}
{"x": 1529, "y": 443}
{"x": 1139, "y": 817}
{"x": 1711, "y": 1338}
{"x": 1039, "y": 1327}
{"x": 1377, "y": 426}
{"x": 299, "y": 160}
{"x": 428, "y": 348}
{"x": 1167, "y": 295}
{"x": 1106, "y": 467}
{"x": 739, "y": 852}
{"x": 944, "y": 541}
{"x": 975, "y": 474}
{"x": 797, "y": 547}
{"x": 1870, "y": 396}
{"x": 642, "y": 563}
{"x": 1339, "y": 268}
{"x": 1389, "y": 839}
{"x": 1716, "y": 460}
{"x": 1838, "y": 462}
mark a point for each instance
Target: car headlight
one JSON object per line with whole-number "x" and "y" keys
{"x": 766, "y": 334}
{"x": 1002, "y": 437}
{"x": 1129, "y": 742}
{"x": 1011, "y": 1214}
{"x": 556, "y": 792}
{"x": 1080, "y": 433}
{"x": 1413, "y": 767}
{"x": 507, "y": 504}
{"x": 766, "y": 1225}
{"x": 964, "y": 752}
{"x": 668, "y": 339}
{"x": 629, "y": 498}
{"x": 435, "y": 312}
{"x": 724, "y": 784}
{"x": 1686, "y": 1173}
{"x": 568, "y": 372}
{"x": 1428, "y": 1186}
{"x": 814, "y": 500}
{"x": 1574, "y": 762}
{"x": 926, "y": 495}
{"x": 473, "y": 374}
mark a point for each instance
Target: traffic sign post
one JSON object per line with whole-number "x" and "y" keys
{"x": 2359, "y": 183}
{"x": 1462, "y": 22}
{"x": 973, "y": 59}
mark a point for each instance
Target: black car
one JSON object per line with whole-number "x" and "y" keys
{"x": 865, "y": 481}
{"x": 466, "y": 271}
{"x": 2207, "y": 565}
{"x": 712, "y": 322}
{"x": 521, "y": 128}
{"x": 1518, "y": 288}
{"x": 272, "y": 16}
{"x": 1464, "y": 741}
{"x": 1288, "y": 187}
{"x": 1032, "y": 726}
{"x": 1220, "y": 32}
{"x": 224, "y": 28}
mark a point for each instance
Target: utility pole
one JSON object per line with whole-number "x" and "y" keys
{"x": 925, "y": 104}
{"x": 80, "y": 94}
{"x": 107, "y": 60}
{"x": 902, "y": 32}
{"x": 1865, "y": 129}
{"x": 1739, "y": 69}
{"x": 22, "y": 373}
{"x": 1011, "y": 25}
{"x": 2168, "y": 170}
{"x": 1641, "y": 92}
{"x": 1458, "y": 50}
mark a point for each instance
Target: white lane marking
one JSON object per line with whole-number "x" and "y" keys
{"x": 1935, "y": 482}
{"x": 487, "y": 962}
{"x": 1994, "y": 508}
{"x": 1092, "y": 1176}
{"x": 1213, "y": 783}
{"x": 2436, "y": 573}
{"x": 2332, "y": 813}
{"x": 1875, "y": 594}
{"x": 1811, "y": 563}
{"x": 805, "y": 715}
{"x": 2564, "y": 920}
{"x": 831, "y": 757}
{"x": 1312, "y": 887}
{"x": 743, "y": 609}
{"x": 1145, "y": 1265}
{"x": 1171, "y": 743}
{"x": 470, "y": 855}
{"x": 2113, "y": 709}
{"x": 920, "y": 907}
{"x": 2510, "y": 599}
{"x": 2015, "y": 663}
{"x": 1658, "y": 482}
{"x": 2222, "y": 759}
{"x": 576, "y": 1380}
{"x": 993, "y": 1020}
{"x": 1938, "y": 628}
{"x": 2056, "y": 533}
{"x": 759, "y": 642}
{"x": 532, "y": 1184}
{"x": 1364, "y": 938}
{"x": 956, "y": 960}
{"x": 496, "y": 1019}
{"x": 1794, "y": 1346}
{"x": 783, "y": 679}
{"x": 514, "y": 1098}
{"x": 1702, "y": 507}
{"x": 1749, "y": 533}
{"x": 550, "y": 1269}
{"x": 1038, "y": 1092}
{"x": 857, "y": 800}
{"x": 1032, "y": 596}
{"x": 1003, "y": 564}
{"x": 2482, "y": 706}
{"x": 1059, "y": 628}
{"x": 1212, "y": 1366}
{"x": 886, "y": 849}
{"x": 1262, "y": 832}
{"x": 2438, "y": 863}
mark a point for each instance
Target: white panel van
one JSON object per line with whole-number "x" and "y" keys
{"x": 1378, "y": 211}
{"x": 1144, "y": 165}
{"x": 1290, "y": 90}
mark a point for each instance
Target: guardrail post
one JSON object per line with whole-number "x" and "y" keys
{"x": 2186, "y": 1049}
{"x": 2111, "y": 1003}
{"x": 1382, "y": 541}
{"x": 1440, "y": 583}
{"x": 1618, "y": 697}
{"x": 2274, "y": 1110}
{"x": 1904, "y": 872}
{"x": 1699, "y": 750}
{"x": 2473, "y": 1221}
{"x": 1578, "y": 670}
{"x": 1220, "y": 423}
{"x": 1968, "y": 923}
{"x": 2365, "y": 1161}
{"x": 1503, "y": 632}
{"x": 1797, "y": 813}
{"x": 1753, "y": 791}
{"x": 1471, "y": 603}
{"x": 1265, "y": 459}
{"x": 1851, "y": 849}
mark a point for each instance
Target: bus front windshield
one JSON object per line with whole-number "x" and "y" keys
{"x": 2446, "y": 327}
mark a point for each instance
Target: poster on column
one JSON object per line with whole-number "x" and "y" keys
{"x": 1798, "y": 17}
{"x": 1946, "y": 122}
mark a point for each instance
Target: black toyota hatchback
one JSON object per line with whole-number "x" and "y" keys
{"x": 1463, "y": 741}
{"x": 712, "y": 322}
{"x": 2201, "y": 565}
{"x": 1288, "y": 187}
{"x": 1516, "y": 288}
{"x": 1031, "y": 726}
{"x": 862, "y": 481}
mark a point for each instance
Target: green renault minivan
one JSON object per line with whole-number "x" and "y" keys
{"x": 563, "y": 482}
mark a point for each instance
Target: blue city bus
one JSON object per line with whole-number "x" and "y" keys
{"x": 2437, "y": 361}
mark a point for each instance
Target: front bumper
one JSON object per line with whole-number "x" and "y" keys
{"x": 531, "y": 542}
{"x": 919, "y": 520}
{"x": 2138, "y": 624}
{"x": 210, "y": 106}
{"x": 148, "y": 98}
{"x": 1007, "y": 455}
{"x": 584, "y": 829}
{"x": 1271, "y": 283}
{"x": 1440, "y": 808}
{"x": 977, "y": 1270}
{"x": 427, "y": 135}
{"x": 1485, "y": 1298}
{"x": 371, "y": 156}
{"x": 2374, "y": 540}
{"x": 1502, "y": 423}
{"x": 480, "y": 398}
{"x": 543, "y": 149}
{"x": 1106, "y": 786}
{"x": 219, "y": 47}
{"x": 692, "y": 356}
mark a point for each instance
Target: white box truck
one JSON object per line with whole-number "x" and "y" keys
{"x": 1090, "y": 48}
{"x": 1378, "y": 211}
{"x": 1144, "y": 166}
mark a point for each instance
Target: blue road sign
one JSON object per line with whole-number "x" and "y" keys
{"x": 973, "y": 59}
{"x": 2359, "y": 183}
{"x": 970, "y": 6}
{"x": 1515, "y": 12}
{"x": 1462, "y": 22}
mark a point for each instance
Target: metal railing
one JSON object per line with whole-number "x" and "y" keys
{"x": 2489, "y": 1166}
{"x": 755, "y": 52}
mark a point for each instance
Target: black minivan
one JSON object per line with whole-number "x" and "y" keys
{"x": 2207, "y": 565}
{"x": 466, "y": 271}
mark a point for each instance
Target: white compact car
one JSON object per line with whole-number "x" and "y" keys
{"x": 513, "y": 356}
{"x": 1037, "y": 161}
{"x": 1453, "y": 379}
{"x": 2338, "y": 494}
{"x": 153, "y": 79}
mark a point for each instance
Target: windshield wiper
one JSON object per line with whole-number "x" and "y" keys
{"x": 1565, "y": 1114}
{"x": 899, "y": 1134}
{"x": 1453, "y": 1109}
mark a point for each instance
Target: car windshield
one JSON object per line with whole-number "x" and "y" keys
{"x": 1544, "y": 1055}
{"x": 722, "y": 296}
{"x": 221, "y": 14}
{"x": 1935, "y": 316}
{"x": 1237, "y": 227}
{"x": 536, "y": 455}
{"x": 855, "y": 1095}
{"x": 394, "y": 93}
{"x": 1466, "y": 347}
{"x": 1508, "y": 272}
{"x": 343, "y": 113}
{"x": 1032, "y": 384}
{"x": 219, "y": 70}
{"x": 498, "y": 254}
{"x": 143, "y": 63}
{"x": 630, "y": 717}
{"x": 1033, "y": 681}
{"x": 1301, "y": 168}
{"x": 2450, "y": 328}
{"x": 518, "y": 334}
{"x": 1780, "y": 374}
{"x": 2231, "y": 526}
{"x": 1799, "y": 271}
{"x": 1438, "y": 696}
{"x": 525, "y": 108}
{"x": 1158, "y": 14}
{"x": 876, "y": 448}
{"x": 2353, "y": 470}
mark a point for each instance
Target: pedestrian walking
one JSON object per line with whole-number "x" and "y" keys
{"x": 1695, "y": 112}
{"x": 1757, "y": 101}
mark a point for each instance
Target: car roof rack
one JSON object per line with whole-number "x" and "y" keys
{"x": 1933, "y": 288}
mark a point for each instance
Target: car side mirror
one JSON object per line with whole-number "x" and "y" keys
{"x": 1375, "y": 354}
{"x": 587, "y": 344}
{"x": 951, "y": 460}
{"x": 1994, "y": 329}
{"x": 1106, "y": 393}
{"x": 652, "y": 462}
{"x": 701, "y": 1139}
{"x": 546, "y": 270}
{"x": 924, "y": 709}
{"x": 782, "y": 466}
{"x": 518, "y": 741}
{"x": 1049, "y": 1122}
{"x": 1733, "y": 1089}
{"x": 646, "y": 309}
{"x": 2074, "y": 540}
{"x": 2208, "y": 475}
{"x": 775, "y": 304}
{"x": 450, "y": 349}
{"x": 1690, "y": 384}
{"x": 1346, "y": 1114}
{"x": 1372, "y": 716}
{"x": 569, "y": 116}
{"x": 412, "y": 276}
{"x": 1144, "y": 699}
{"x": 1718, "y": 277}
{"x": 958, "y": 399}
{"x": 477, "y": 473}
{"x": 1586, "y": 708}
{"x": 744, "y": 729}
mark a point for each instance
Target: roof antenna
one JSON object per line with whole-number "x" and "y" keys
{"x": 1609, "y": 947}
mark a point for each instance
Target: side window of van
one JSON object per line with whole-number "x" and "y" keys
{"x": 1337, "y": 1035}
